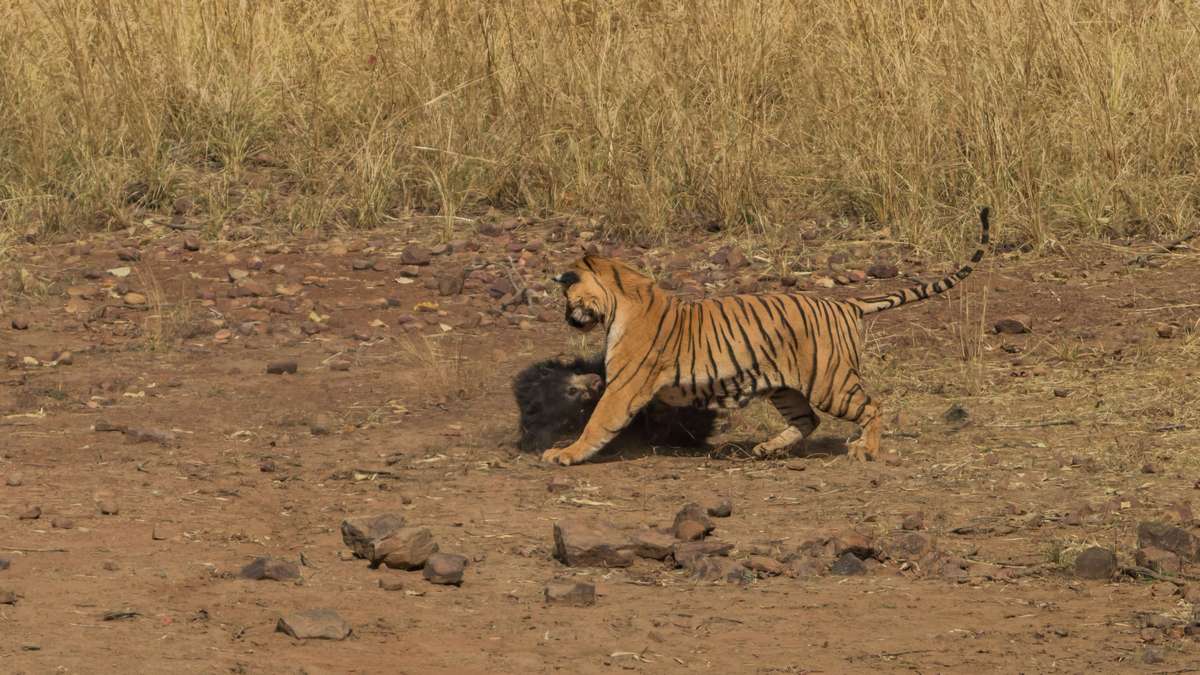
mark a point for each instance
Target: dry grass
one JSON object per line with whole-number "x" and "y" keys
{"x": 1071, "y": 118}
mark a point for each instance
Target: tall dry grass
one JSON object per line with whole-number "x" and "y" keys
{"x": 1073, "y": 118}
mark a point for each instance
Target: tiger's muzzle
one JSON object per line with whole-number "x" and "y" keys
{"x": 582, "y": 318}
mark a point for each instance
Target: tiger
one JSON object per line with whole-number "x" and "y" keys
{"x": 800, "y": 351}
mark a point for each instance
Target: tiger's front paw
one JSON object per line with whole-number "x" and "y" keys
{"x": 564, "y": 456}
{"x": 858, "y": 450}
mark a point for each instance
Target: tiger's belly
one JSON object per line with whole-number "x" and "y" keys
{"x": 726, "y": 396}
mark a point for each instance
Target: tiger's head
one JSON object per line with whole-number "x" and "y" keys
{"x": 595, "y": 287}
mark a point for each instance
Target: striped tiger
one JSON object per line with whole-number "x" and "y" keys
{"x": 801, "y": 351}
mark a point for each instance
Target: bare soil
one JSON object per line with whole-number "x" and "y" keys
{"x": 1074, "y": 433}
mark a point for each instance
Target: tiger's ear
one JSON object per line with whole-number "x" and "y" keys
{"x": 567, "y": 278}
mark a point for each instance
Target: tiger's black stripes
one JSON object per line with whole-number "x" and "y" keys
{"x": 802, "y": 352}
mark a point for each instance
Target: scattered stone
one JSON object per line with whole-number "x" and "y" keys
{"x": 698, "y": 517}
{"x": 110, "y": 566}
{"x": 361, "y": 264}
{"x": 159, "y": 533}
{"x": 1165, "y": 330}
{"x": 908, "y": 546}
{"x": 270, "y": 568}
{"x": 31, "y": 513}
{"x": 135, "y": 299}
{"x": 765, "y": 566}
{"x": 1169, "y": 538}
{"x": 236, "y": 274}
{"x": 191, "y": 243}
{"x": 720, "y": 569}
{"x": 718, "y": 507}
{"x": 856, "y": 276}
{"x": 445, "y": 569}
{"x": 5, "y": 563}
{"x": 1096, "y": 563}
{"x": 853, "y": 542}
{"x": 359, "y": 532}
{"x": 107, "y": 505}
{"x": 14, "y": 480}
{"x": 409, "y": 271}
{"x": 391, "y": 584}
{"x": 882, "y": 270}
{"x": 653, "y": 544}
{"x": 1159, "y": 560}
{"x": 415, "y": 255}
{"x": 407, "y": 548}
{"x": 282, "y": 367}
{"x": 570, "y": 593}
{"x": 913, "y": 521}
{"x": 19, "y": 324}
{"x": 1149, "y": 467}
{"x": 129, "y": 255}
{"x": 61, "y": 523}
{"x": 451, "y": 284}
{"x": 1153, "y": 655}
{"x": 586, "y": 543}
{"x": 847, "y": 565}
{"x": 559, "y": 483}
{"x": 687, "y": 553}
{"x": 8, "y": 598}
{"x": 955, "y": 414}
{"x": 823, "y": 282}
{"x": 64, "y": 358}
{"x": 267, "y": 466}
{"x": 319, "y": 624}
{"x": 1014, "y": 325}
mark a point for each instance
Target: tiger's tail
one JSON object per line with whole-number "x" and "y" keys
{"x": 879, "y": 303}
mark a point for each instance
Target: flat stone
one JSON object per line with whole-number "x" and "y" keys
{"x": 314, "y": 624}
{"x": 359, "y": 532}
{"x": 445, "y": 569}
{"x": 720, "y": 569}
{"x": 270, "y": 568}
{"x": 653, "y": 544}
{"x": 1169, "y": 538}
{"x": 570, "y": 593}
{"x": 848, "y": 564}
{"x": 686, "y": 553}
{"x": 586, "y": 543}
{"x": 764, "y": 565}
{"x": 407, "y": 548}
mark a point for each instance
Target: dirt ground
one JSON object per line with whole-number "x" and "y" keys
{"x": 1074, "y": 433}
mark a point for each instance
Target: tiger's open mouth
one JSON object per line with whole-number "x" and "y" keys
{"x": 582, "y": 318}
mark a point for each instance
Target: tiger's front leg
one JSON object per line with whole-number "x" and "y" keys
{"x": 612, "y": 414}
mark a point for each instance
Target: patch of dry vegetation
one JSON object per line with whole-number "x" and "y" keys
{"x": 1071, "y": 118}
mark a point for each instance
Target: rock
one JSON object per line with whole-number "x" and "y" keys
{"x": 570, "y": 593}
{"x": 847, "y": 565}
{"x": 1153, "y": 655}
{"x": 8, "y": 598}
{"x": 359, "y": 532}
{"x": 913, "y": 521}
{"x": 281, "y": 367}
{"x": 321, "y": 425}
{"x": 955, "y": 414}
{"x": 1159, "y": 560}
{"x": 5, "y": 563}
{"x": 361, "y": 264}
{"x": 853, "y": 542}
{"x": 586, "y": 543}
{"x": 653, "y": 544}
{"x": 735, "y": 259}
{"x": 1165, "y": 330}
{"x": 1169, "y": 538}
{"x": 31, "y": 513}
{"x": 882, "y": 270}
{"x": 717, "y": 507}
{"x": 129, "y": 255}
{"x": 107, "y": 505}
{"x": 908, "y": 546}
{"x": 19, "y": 323}
{"x": 407, "y": 548}
{"x": 415, "y": 255}
{"x": 1096, "y": 563}
{"x": 14, "y": 480}
{"x": 1014, "y": 325}
{"x": 686, "y": 553}
{"x": 445, "y": 569}
{"x": 689, "y": 530}
{"x": 390, "y": 584}
{"x": 856, "y": 276}
{"x": 319, "y": 624}
{"x": 235, "y": 274}
{"x": 692, "y": 512}
{"x": 135, "y": 299}
{"x": 803, "y": 568}
{"x": 559, "y": 483}
{"x": 270, "y": 568}
{"x": 409, "y": 271}
{"x": 60, "y": 523}
{"x": 764, "y": 566}
{"x": 718, "y": 569}
{"x": 451, "y": 284}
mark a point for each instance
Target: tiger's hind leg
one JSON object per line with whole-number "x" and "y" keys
{"x": 801, "y": 418}
{"x": 852, "y": 403}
